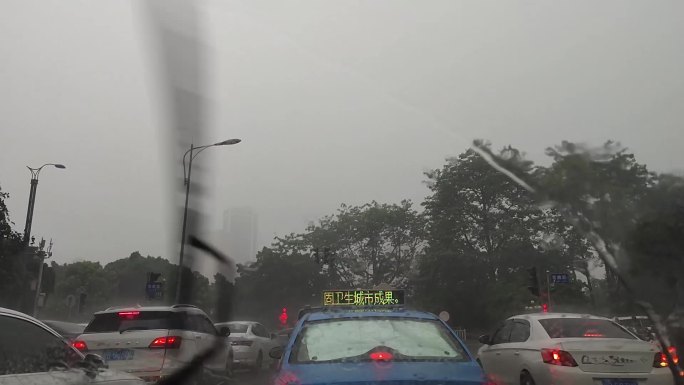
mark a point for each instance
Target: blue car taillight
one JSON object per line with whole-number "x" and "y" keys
{"x": 287, "y": 378}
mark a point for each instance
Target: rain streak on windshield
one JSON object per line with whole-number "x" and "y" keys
{"x": 508, "y": 174}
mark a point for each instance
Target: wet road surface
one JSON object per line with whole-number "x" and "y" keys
{"x": 247, "y": 377}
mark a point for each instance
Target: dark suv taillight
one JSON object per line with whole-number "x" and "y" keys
{"x": 168, "y": 342}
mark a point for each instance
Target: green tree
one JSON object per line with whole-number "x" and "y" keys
{"x": 223, "y": 297}
{"x": 130, "y": 277}
{"x": 656, "y": 245}
{"x": 122, "y": 283}
{"x": 279, "y": 278}
{"x": 476, "y": 209}
{"x": 484, "y": 230}
{"x": 13, "y": 275}
{"x": 604, "y": 185}
{"x": 72, "y": 279}
{"x": 367, "y": 245}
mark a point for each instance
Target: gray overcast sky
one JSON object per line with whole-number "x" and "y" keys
{"x": 336, "y": 101}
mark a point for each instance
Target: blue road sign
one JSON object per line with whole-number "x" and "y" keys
{"x": 155, "y": 290}
{"x": 560, "y": 278}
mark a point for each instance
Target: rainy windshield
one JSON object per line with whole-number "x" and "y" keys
{"x": 353, "y": 340}
{"x": 114, "y": 322}
{"x": 583, "y": 328}
{"x": 238, "y": 328}
{"x": 479, "y": 164}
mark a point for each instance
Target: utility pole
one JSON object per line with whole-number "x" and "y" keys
{"x": 548, "y": 290}
{"x": 42, "y": 255}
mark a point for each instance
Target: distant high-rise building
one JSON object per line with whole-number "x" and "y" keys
{"x": 240, "y": 226}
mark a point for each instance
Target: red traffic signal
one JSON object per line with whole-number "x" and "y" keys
{"x": 283, "y": 317}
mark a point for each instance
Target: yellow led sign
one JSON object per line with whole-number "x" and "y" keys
{"x": 363, "y": 297}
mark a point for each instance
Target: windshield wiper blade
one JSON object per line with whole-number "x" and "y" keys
{"x": 133, "y": 328}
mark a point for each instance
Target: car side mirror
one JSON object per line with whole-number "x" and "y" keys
{"x": 273, "y": 336}
{"x": 276, "y": 353}
{"x": 485, "y": 340}
{"x": 96, "y": 360}
{"x": 224, "y": 331}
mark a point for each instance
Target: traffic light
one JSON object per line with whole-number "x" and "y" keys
{"x": 533, "y": 282}
{"x": 283, "y": 317}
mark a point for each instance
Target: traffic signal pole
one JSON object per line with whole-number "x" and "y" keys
{"x": 38, "y": 284}
{"x": 548, "y": 290}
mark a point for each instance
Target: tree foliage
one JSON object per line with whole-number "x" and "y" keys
{"x": 467, "y": 252}
{"x": 656, "y": 244}
{"x": 371, "y": 244}
{"x": 120, "y": 283}
{"x": 14, "y": 279}
{"x": 606, "y": 186}
{"x": 484, "y": 231}
{"x": 278, "y": 279}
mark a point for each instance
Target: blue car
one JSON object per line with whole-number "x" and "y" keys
{"x": 371, "y": 346}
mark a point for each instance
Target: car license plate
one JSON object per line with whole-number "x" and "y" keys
{"x": 619, "y": 381}
{"x": 118, "y": 354}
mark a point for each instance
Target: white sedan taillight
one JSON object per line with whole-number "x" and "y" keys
{"x": 660, "y": 359}
{"x": 557, "y": 357}
{"x": 80, "y": 345}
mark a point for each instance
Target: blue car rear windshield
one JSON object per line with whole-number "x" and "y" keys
{"x": 353, "y": 339}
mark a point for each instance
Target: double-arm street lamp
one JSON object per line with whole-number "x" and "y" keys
{"x": 192, "y": 153}
{"x": 35, "y": 172}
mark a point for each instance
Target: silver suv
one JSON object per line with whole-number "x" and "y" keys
{"x": 154, "y": 341}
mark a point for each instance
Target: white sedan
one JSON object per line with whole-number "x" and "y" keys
{"x": 573, "y": 349}
{"x": 251, "y": 343}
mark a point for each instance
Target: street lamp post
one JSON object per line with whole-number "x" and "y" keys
{"x": 35, "y": 172}
{"x": 186, "y": 180}
{"x": 32, "y": 198}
